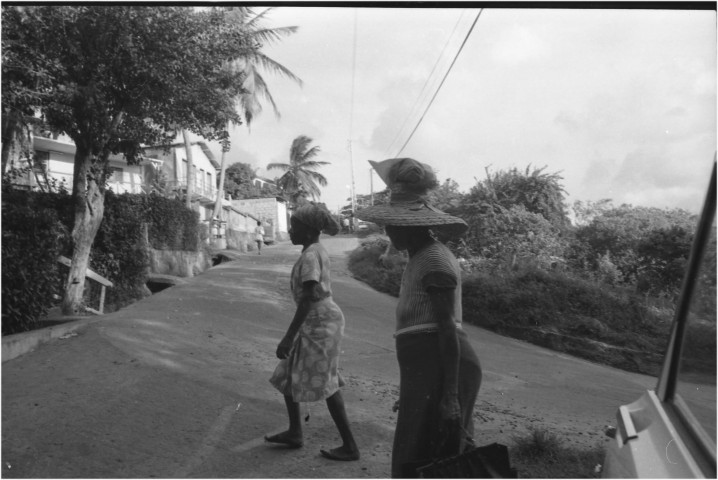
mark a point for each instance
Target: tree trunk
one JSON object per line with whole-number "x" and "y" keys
{"x": 89, "y": 197}
{"x": 190, "y": 168}
{"x": 10, "y": 126}
{"x": 220, "y": 189}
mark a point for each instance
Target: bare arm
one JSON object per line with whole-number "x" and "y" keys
{"x": 442, "y": 294}
{"x": 442, "y": 302}
{"x": 308, "y": 297}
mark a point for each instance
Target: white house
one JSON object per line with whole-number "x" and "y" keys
{"x": 56, "y": 159}
{"x": 171, "y": 179}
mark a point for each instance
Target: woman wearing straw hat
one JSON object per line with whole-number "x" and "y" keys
{"x": 309, "y": 352}
{"x": 440, "y": 374}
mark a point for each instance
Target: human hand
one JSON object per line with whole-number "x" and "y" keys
{"x": 285, "y": 346}
{"x": 449, "y": 408}
{"x": 449, "y": 433}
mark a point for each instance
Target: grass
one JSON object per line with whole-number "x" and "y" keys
{"x": 543, "y": 454}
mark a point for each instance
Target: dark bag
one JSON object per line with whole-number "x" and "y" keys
{"x": 490, "y": 461}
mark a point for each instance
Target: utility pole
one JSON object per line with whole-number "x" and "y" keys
{"x": 351, "y": 117}
{"x": 351, "y": 165}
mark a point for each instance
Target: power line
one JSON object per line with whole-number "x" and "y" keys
{"x": 423, "y": 88}
{"x": 442, "y": 82}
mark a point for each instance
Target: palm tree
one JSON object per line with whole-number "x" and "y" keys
{"x": 300, "y": 178}
{"x": 256, "y": 88}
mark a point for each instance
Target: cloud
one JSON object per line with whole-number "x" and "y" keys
{"x": 519, "y": 44}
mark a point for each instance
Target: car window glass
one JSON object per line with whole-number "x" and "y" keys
{"x": 697, "y": 376}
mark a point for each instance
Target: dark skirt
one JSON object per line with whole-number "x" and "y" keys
{"x": 420, "y": 390}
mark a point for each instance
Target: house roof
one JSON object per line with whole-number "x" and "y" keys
{"x": 48, "y": 144}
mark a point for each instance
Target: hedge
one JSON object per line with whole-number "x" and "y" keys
{"x": 36, "y": 229}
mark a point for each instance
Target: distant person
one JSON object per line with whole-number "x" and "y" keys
{"x": 309, "y": 352}
{"x": 440, "y": 374}
{"x": 259, "y": 236}
{"x": 345, "y": 225}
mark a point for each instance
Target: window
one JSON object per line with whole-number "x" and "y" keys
{"x": 117, "y": 175}
{"x": 696, "y": 384}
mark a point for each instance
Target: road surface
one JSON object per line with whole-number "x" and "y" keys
{"x": 176, "y": 385}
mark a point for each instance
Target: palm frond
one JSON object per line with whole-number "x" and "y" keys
{"x": 313, "y": 164}
{"x": 280, "y": 166}
{"x": 309, "y": 154}
{"x": 272, "y": 66}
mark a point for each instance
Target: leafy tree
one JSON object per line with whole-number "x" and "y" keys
{"x": 238, "y": 183}
{"x": 622, "y": 231}
{"x": 116, "y": 77}
{"x": 515, "y": 234}
{"x": 663, "y": 255}
{"x": 446, "y": 196}
{"x": 538, "y": 192}
{"x": 585, "y": 212}
{"x": 238, "y": 179}
{"x": 255, "y": 88}
{"x": 300, "y": 178}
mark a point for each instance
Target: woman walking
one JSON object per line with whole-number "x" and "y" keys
{"x": 440, "y": 374}
{"x": 309, "y": 352}
{"x": 259, "y": 236}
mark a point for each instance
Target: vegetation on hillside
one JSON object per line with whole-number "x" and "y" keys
{"x": 602, "y": 288}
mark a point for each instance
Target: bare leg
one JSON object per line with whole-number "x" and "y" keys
{"x": 348, "y": 450}
{"x": 293, "y": 437}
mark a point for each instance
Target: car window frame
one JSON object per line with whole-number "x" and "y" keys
{"x": 666, "y": 390}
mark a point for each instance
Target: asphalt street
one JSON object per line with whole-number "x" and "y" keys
{"x": 176, "y": 385}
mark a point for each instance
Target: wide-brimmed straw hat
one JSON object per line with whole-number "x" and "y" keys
{"x": 409, "y": 182}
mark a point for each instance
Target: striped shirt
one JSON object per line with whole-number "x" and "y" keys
{"x": 414, "y": 312}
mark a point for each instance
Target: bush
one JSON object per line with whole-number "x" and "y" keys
{"x": 369, "y": 264}
{"x": 31, "y": 242}
{"x": 36, "y": 229}
{"x": 559, "y": 311}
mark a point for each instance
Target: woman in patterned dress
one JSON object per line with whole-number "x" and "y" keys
{"x": 309, "y": 352}
{"x": 439, "y": 372}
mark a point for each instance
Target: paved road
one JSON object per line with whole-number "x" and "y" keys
{"x": 176, "y": 385}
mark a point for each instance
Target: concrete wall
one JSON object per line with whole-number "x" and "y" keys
{"x": 178, "y": 263}
{"x": 270, "y": 211}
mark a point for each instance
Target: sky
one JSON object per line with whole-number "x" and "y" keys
{"x": 621, "y": 103}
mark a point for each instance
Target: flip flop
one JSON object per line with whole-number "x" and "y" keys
{"x": 282, "y": 440}
{"x": 339, "y": 454}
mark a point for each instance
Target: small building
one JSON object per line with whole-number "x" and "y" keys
{"x": 271, "y": 211}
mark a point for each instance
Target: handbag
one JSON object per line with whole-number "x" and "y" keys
{"x": 489, "y": 461}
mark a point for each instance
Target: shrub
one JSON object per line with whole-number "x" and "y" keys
{"x": 369, "y": 264}
{"x": 118, "y": 253}
{"x": 31, "y": 242}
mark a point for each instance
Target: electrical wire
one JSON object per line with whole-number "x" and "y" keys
{"x": 442, "y": 82}
{"x": 423, "y": 88}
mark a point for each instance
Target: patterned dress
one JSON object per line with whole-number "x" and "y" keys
{"x": 310, "y": 373}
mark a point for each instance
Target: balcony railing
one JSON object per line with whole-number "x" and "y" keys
{"x": 207, "y": 192}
